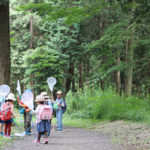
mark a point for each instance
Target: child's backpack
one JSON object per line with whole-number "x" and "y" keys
{"x": 6, "y": 111}
{"x": 64, "y": 106}
{"x": 45, "y": 113}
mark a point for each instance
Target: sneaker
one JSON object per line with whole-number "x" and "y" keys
{"x": 46, "y": 141}
{"x": 28, "y": 133}
{"x": 1, "y": 133}
{"x": 9, "y": 137}
{"x": 59, "y": 130}
{"x": 36, "y": 141}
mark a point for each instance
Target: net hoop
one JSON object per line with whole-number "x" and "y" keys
{"x": 51, "y": 82}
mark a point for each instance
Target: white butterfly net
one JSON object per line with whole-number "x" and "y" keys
{"x": 4, "y": 91}
{"x": 51, "y": 82}
{"x": 27, "y": 99}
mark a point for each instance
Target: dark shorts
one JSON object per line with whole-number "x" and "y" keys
{"x": 43, "y": 126}
{"x": 8, "y": 121}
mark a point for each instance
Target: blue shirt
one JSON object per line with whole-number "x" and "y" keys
{"x": 59, "y": 101}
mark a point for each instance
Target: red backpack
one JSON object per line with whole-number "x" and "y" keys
{"x": 45, "y": 113}
{"x": 6, "y": 111}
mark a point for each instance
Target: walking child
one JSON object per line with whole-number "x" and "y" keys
{"x": 8, "y": 114}
{"x": 48, "y": 101}
{"x": 43, "y": 116}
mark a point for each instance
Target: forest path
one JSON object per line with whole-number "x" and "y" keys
{"x": 70, "y": 139}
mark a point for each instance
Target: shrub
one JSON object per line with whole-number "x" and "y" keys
{"x": 96, "y": 104}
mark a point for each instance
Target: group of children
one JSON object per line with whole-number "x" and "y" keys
{"x": 43, "y": 111}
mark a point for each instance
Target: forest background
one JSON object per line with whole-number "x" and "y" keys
{"x": 99, "y": 52}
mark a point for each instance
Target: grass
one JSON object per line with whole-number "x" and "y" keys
{"x": 15, "y": 128}
{"x": 80, "y": 123}
{"x": 107, "y": 105}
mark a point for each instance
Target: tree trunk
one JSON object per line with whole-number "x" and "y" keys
{"x": 31, "y": 45}
{"x": 129, "y": 70}
{"x": 70, "y": 78}
{"x": 4, "y": 44}
{"x": 31, "y": 32}
{"x": 129, "y": 58}
{"x": 81, "y": 81}
{"x": 87, "y": 67}
{"x": 118, "y": 80}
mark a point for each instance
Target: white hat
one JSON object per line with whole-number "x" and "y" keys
{"x": 39, "y": 98}
{"x": 59, "y": 92}
{"x": 11, "y": 96}
{"x": 43, "y": 93}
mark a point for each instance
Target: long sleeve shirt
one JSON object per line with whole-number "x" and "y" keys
{"x": 37, "y": 111}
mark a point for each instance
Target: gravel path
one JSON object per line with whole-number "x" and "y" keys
{"x": 70, "y": 139}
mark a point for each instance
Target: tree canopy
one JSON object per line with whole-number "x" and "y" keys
{"x": 81, "y": 43}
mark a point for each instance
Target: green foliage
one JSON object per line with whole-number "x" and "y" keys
{"x": 96, "y": 104}
{"x": 4, "y": 2}
{"x": 75, "y": 12}
{"x": 42, "y": 63}
{"x": 54, "y": 44}
{"x": 99, "y": 38}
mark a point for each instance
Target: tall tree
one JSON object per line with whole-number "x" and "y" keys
{"x": 4, "y": 43}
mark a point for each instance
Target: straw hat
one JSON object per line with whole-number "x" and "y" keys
{"x": 46, "y": 97}
{"x": 59, "y": 92}
{"x": 11, "y": 96}
{"x": 39, "y": 98}
{"x": 43, "y": 93}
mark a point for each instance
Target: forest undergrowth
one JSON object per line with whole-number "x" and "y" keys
{"x": 107, "y": 105}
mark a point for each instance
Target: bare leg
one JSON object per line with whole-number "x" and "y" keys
{"x": 0, "y": 127}
{"x": 45, "y": 133}
{"x": 46, "y": 139}
{"x": 39, "y": 136}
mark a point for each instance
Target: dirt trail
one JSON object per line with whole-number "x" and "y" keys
{"x": 70, "y": 139}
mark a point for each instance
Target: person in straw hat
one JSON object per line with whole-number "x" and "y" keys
{"x": 42, "y": 125}
{"x": 8, "y": 113}
{"x": 59, "y": 103}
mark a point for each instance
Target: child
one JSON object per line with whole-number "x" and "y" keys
{"x": 48, "y": 101}
{"x": 27, "y": 118}
{"x": 59, "y": 112}
{"x": 42, "y": 125}
{"x": 8, "y": 114}
{"x": 27, "y": 115}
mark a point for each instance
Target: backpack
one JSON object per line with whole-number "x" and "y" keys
{"x": 45, "y": 113}
{"x": 6, "y": 112}
{"x": 22, "y": 110}
{"x": 64, "y": 106}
